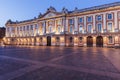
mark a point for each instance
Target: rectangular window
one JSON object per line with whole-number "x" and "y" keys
{"x": 99, "y": 17}
{"x": 99, "y": 28}
{"x": 89, "y": 19}
{"x": 80, "y": 20}
{"x": 71, "y": 29}
{"x": 80, "y": 29}
{"x": 36, "y": 26}
{"x": 20, "y": 28}
{"x": 59, "y": 29}
{"x": 27, "y": 27}
{"x": 70, "y": 21}
{"x": 31, "y": 27}
{"x": 110, "y": 27}
{"x": 89, "y": 28}
{"x": 109, "y": 16}
{"x": 24, "y": 28}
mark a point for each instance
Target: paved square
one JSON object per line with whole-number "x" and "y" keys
{"x": 59, "y": 63}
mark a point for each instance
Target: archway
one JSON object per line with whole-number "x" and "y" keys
{"x": 71, "y": 41}
{"x": 48, "y": 40}
{"x": 99, "y": 41}
{"x": 89, "y": 41}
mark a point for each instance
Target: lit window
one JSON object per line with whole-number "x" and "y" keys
{"x": 89, "y": 28}
{"x": 70, "y": 21}
{"x": 80, "y": 29}
{"x": 89, "y": 19}
{"x": 99, "y": 28}
{"x": 99, "y": 18}
{"x": 80, "y": 20}
{"x": 110, "y": 27}
{"x": 109, "y": 16}
{"x": 110, "y": 39}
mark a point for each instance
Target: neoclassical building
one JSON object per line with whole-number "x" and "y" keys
{"x": 95, "y": 26}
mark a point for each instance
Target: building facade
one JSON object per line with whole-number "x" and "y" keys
{"x": 95, "y": 26}
{"x": 2, "y": 33}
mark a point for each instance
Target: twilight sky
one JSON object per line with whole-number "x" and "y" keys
{"x": 28, "y": 9}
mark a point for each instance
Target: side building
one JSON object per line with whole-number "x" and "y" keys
{"x": 95, "y": 26}
{"x": 2, "y": 33}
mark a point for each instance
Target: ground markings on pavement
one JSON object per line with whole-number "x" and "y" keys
{"x": 38, "y": 64}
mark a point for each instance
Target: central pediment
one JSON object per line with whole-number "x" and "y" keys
{"x": 51, "y": 12}
{"x": 48, "y": 15}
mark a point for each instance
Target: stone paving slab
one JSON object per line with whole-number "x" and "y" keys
{"x": 52, "y": 73}
{"x": 62, "y": 63}
{"x": 8, "y": 65}
{"x": 88, "y": 61}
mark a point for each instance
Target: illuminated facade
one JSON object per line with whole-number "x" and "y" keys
{"x": 95, "y": 26}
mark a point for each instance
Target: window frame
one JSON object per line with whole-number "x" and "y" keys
{"x": 89, "y": 17}
{"x": 108, "y": 27}
{"x": 109, "y": 16}
{"x": 98, "y": 17}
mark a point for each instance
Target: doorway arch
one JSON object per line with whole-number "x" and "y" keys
{"x": 89, "y": 41}
{"x": 99, "y": 41}
{"x": 48, "y": 40}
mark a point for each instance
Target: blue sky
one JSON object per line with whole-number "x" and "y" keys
{"x": 28, "y": 9}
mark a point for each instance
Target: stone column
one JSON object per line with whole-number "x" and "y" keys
{"x": 104, "y": 21}
{"x": 116, "y": 40}
{"x": 94, "y": 25}
{"x": 66, "y": 27}
{"x": 85, "y": 41}
{"x": 94, "y": 41}
{"x": 115, "y": 20}
{"x": 85, "y": 26}
{"x": 105, "y": 41}
{"x": 76, "y": 24}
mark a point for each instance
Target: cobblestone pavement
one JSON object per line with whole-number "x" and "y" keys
{"x": 59, "y": 63}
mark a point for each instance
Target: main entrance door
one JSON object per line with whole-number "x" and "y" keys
{"x": 49, "y": 41}
{"x": 99, "y": 41}
{"x": 89, "y": 41}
